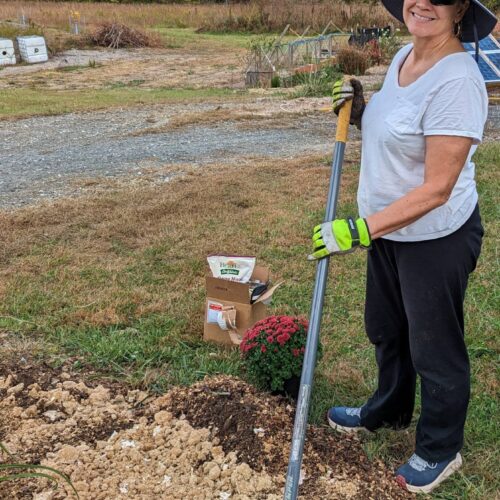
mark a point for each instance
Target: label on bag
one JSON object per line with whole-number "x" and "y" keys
{"x": 213, "y": 310}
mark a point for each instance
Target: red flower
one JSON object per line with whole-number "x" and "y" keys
{"x": 263, "y": 348}
{"x": 285, "y": 336}
{"x": 270, "y": 339}
{"x": 295, "y": 352}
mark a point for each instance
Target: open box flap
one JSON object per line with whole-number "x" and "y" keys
{"x": 268, "y": 293}
{"x": 260, "y": 273}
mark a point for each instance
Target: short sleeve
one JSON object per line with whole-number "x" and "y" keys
{"x": 459, "y": 107}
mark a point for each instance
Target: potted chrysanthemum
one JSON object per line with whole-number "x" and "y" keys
{"x": 273, "y": 352}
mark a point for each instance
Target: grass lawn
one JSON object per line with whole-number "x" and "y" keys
{"x": 118, "y": 277}
{"x": 24, "y": 102}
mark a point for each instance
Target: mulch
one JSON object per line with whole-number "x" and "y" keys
{"x": 259, "y": 427}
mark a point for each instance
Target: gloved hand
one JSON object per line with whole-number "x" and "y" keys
{"x": 339, "y": 236}
{"x": 342, "y": 92}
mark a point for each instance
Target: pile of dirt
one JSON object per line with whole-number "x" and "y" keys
{"x": 260, "y": 427}
{"x": 217, "y": 439}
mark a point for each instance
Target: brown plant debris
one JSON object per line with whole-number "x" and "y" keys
{"x": 117, "y": 36}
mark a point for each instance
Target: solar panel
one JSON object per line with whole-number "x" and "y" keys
{"x": 489, "y": 58}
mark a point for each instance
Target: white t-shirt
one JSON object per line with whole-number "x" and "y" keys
{"x": 449, "y": 99}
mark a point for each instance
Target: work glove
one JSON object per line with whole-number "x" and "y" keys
{"x": 342, "y": 92}
{"x": 339, "y": 236}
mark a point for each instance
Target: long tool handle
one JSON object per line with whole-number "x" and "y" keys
{"x": 306, "y": 380}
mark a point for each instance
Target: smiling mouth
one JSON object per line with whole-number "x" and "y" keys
{"x": 422, "y": 18}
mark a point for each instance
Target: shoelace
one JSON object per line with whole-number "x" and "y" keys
{"x": 420, "y": 464}
{"x": 353, "y": 412}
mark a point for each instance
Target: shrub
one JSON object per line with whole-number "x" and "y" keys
{"x": 275, "y": 81}
{"x": 273, "y": 350}
{"x": 389, "y": 45}
{"x": 353, "y": 61}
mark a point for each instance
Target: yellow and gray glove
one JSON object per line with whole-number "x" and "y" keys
{"x": 344, "y": 91}
{"x": 339, "y": 236}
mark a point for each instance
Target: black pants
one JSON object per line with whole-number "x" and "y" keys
{"x": 414, "y": 317}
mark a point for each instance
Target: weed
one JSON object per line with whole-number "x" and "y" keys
{"x": 15, "y": 471}
{"x": 70, "y": 68}
{"x": 275, "y": 81}
{"x": 316, "y": 84}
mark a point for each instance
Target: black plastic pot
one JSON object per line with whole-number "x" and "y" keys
{"x": 291, "y": 388}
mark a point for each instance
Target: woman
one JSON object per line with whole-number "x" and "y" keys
{"x": 418, "y": 205}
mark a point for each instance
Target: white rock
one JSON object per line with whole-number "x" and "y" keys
{"x": 53, "y": 415}
{"x": 127, "y": 443}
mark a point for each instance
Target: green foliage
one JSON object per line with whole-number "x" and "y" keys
{"x": 273, "y": 350}
{"x": 275, "y": 81}
{"x": 316, "y": 84}
{"x": 389, "y": 44}
{"x": 261, "y": 44}
{"x": 493, "y": 5}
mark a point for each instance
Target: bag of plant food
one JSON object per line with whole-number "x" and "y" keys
{"x": 231, "y": 267}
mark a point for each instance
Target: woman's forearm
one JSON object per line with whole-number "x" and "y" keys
{"x": 406, "y": 210}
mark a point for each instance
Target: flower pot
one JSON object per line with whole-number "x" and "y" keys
{"x": 291, "y": 388}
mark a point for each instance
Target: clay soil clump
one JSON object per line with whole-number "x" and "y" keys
{"x": 218, "y": 439}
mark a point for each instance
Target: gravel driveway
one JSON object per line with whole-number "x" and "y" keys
{"x": 48, "y": 157}
{"x": 42, "y": 155}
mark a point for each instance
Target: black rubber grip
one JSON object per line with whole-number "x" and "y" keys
{"x": 353, "y": 229}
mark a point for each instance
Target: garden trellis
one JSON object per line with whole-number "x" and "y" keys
{"x": 284, "y": 58}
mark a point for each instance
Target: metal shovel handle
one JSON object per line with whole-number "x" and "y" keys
{"x": 306, "y": 380}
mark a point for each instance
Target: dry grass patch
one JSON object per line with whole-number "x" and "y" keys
{"x": 270, "y": 118}
{"x": 112, "y": 258}
{"x": 255, "y": 15}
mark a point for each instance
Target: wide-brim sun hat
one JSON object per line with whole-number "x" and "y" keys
{"x": 478, "y": 22}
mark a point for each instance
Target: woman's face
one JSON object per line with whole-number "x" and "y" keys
{"x": 426, "y": 20}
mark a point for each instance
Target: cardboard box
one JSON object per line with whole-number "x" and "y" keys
{"x": 232, "y": 300}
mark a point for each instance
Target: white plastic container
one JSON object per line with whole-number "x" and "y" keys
{"x": 32, "y": 49}
{"x": 7, "y": 55}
